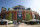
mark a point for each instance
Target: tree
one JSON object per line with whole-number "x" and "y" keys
{"x": 28, "y": 17}
{"x": 28, "y": 8}
{"x": 9, "y": 17}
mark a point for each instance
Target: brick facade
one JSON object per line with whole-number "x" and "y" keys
{"x": 15, "y": 14}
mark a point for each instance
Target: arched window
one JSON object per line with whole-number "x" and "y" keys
{"x": 12, "y": 16}
{"x": 4, "y": 17}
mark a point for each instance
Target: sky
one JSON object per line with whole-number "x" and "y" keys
{"x": 33, "y": 4}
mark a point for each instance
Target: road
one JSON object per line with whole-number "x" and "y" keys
{"x": 21, "y": 25}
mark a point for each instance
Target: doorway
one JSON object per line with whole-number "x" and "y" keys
{"x": 19, "y": 15}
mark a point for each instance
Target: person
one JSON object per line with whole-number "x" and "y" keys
{"x": 18, "y": 22}
{"x": 15, "y": 24}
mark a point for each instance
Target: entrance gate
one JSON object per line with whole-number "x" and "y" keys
{"x": 19, "y": 15}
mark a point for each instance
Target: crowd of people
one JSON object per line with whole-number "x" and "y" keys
{"x": 16, "y": 23}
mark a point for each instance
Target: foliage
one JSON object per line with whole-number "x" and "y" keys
{"x": 9, "y": 17}
{"x": 28, "y": 8}
{"x": 28, "y": 17}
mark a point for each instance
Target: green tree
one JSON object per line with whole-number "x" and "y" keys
{"x": 28, "y": 9}
{"x": 9, "y": 17}
{"x": 28, "y": 17}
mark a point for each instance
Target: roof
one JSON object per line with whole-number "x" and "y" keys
{"x": 18, "y": 7}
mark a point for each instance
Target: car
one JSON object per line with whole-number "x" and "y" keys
{"x": 3, "y": 21}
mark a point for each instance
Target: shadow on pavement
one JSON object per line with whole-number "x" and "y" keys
{"x": 14, "y": 26}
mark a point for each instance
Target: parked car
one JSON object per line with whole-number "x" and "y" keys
{"x": 4, "y": 21}
{"x": 33, "y": 21}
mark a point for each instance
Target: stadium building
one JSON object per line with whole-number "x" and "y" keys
{"x": 18, "y": 13}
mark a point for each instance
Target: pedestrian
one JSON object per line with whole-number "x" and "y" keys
{"x": 14, "y": 24}
{"x": 18, "y": 22}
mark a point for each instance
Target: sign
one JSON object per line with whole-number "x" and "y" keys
{"x": 19, "y": 14}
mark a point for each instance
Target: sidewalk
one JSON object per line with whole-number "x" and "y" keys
{"x": 21, "y": 25}
{"x": 25, "y": 25}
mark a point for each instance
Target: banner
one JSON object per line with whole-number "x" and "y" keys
{"x": 19, "y": 14}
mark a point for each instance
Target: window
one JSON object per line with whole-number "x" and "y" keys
{"x": 4, "y": 17}
{"x": 0, "y": 16}
{"x": 12, "y": 16}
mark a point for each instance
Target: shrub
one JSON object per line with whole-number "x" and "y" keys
{"x": 28, "y": 17}
{"x": 9, "y": 17}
